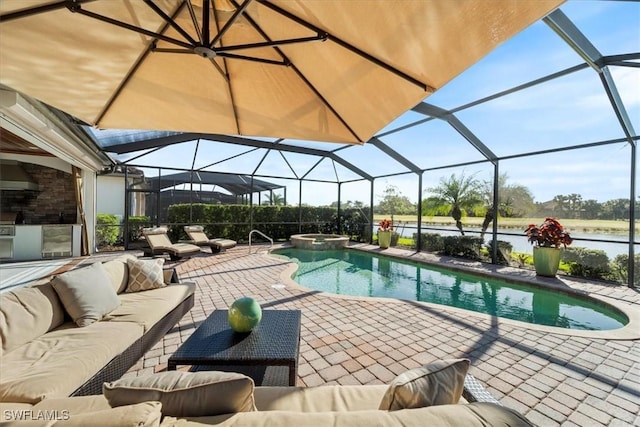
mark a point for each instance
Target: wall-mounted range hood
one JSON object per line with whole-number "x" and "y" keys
{"x": 14, "y": 177}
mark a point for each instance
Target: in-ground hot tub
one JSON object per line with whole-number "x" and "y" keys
{"x": 319, "y": 241}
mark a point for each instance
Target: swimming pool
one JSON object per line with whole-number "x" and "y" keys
{"x": 357, "y": 273}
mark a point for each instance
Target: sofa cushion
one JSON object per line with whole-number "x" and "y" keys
{"x": 148, "y": 307}
{"x": 75, "y": 405}
{"x": 471, "y": 415}
{"x": 27, "y": 313}
{"x": 146, "y": 414}
{"x": 86, "y": 293}
{"x": 186, "y": 394}
{"x": 439, "y": 383}
{"x": 319, "y": 399}
{"x": 145, "y": 274}
{"x": 118, "y": 272}
{"x": 57, "y": 363}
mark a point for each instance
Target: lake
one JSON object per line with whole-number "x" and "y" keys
{"x": 520, "y": 243}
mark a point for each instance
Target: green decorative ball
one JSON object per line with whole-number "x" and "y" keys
{"x": 244, "y": 314}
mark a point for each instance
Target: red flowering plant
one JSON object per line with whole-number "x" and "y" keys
{"x": 385, "y": 225}
{"x": 550, "y": 234}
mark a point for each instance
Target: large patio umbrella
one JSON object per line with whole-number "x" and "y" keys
{"x": 327, "y": 70}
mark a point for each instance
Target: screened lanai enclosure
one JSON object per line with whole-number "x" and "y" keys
{"x": 533, "y": 116}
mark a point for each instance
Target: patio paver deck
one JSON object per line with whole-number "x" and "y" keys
{"x": 552, "y": 379}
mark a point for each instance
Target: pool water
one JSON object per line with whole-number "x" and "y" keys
{"x": 350, "y": 272}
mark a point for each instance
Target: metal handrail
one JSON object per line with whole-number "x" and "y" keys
{"x": 263, "y": 235}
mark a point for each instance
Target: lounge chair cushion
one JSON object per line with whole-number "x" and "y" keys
{"x": 439, "y": 383}
{"x": 197, "y": 235}
{"x": 55, "y": 364}
{"x": 38, "y": 309}
{"x": 186, "y": 394}
{"x": 159, "y": 242}
{"x": 145, "y": 274}
{"x": 223, "y": 243}
{"x": 86, "y": 293}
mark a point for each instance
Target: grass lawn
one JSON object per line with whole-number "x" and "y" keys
{"x": 571, "y": 225}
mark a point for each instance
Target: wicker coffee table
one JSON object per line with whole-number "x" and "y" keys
{"x": 268, "y": 354}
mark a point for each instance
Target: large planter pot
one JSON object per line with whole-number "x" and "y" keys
{"x": 546, "y": 260}
{"x": 384, "y": 239}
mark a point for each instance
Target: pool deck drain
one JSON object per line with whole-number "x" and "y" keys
{"x": 552, "y": 379}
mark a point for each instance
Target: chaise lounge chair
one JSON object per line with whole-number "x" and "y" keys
{"x": 159, "y": 244}
{"x": 198, "y": 237}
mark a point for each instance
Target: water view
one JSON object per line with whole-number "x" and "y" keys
{"x": 520, "y": 243}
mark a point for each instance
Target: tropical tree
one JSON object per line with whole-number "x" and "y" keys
{"x": 274, "y": 199}
{"x": 394, "y": 202}
{"x": 592, "y": 209}
{"x": 561, "y": 205}
{"x": 514, "y": 200}
{"x": 460, "y": 193}
{"x": 616, "y": 209}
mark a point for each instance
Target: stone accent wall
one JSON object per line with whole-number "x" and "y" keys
{"x": 56, "y": 196}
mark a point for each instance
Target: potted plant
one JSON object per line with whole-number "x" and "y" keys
{"x": 547, "y": 239}
{"x": 384, "y": 233}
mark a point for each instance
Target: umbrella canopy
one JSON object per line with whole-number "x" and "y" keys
{"x": 325, "y": 70}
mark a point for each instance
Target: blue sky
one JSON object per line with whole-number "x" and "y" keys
{"x": 563, "y": 112}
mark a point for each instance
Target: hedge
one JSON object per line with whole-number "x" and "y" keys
{"x": 278, "y": 222}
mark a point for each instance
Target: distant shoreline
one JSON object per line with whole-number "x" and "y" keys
{"x": 570, "y": 225}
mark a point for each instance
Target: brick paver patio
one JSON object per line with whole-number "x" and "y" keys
{"x": 552, "y": 379}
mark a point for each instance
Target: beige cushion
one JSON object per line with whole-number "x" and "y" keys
{"x": 118, "y": 272}
{"x": 75, "y": 405}
{"x": 439, "y": 383}
{"x": 27, "y": 313}
{"x": 146, "y": 308}
{"x": 146, "y": 414}
{"x": 223, "y": 243}
{"x": 57, "y": 363}
{"x": 196, "y": 234}
{"x": 319, "y": 399}
{"x": 186, "y": 394}
{"x": 145, "y": 275}
{"x": 471, "y": 415}
{"x": 86, "y": 293}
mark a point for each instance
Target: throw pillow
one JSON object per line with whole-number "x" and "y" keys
{"x": 86, "y": 293}
{"x": 439, "y": 383}
{"x": 186, "y": 394}
{"x": 145, "y": 275}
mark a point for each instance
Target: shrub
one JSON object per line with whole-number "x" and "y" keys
{"x": 107, "y": 229}
{"x": 584, "y": 262}
{"x": 277, "y": 222}
{"x": 431, "y": 242}
{"x": 463, "y": 246}
{"x": 504, "y": 251}
{"x": 136, "y": 224}
{"x": 619, "y": 269}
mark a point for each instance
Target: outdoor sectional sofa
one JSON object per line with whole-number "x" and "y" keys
{"x": 45, "y": 354}
{"x": 430, "y": 395}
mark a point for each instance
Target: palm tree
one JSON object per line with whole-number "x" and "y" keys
{"x": 514, "y": 200}
{"x": 274, "y": 199}
{"x": 460, "y": 193}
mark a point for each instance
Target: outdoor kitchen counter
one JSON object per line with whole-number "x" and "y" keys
{"x": 22, "y": 242}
